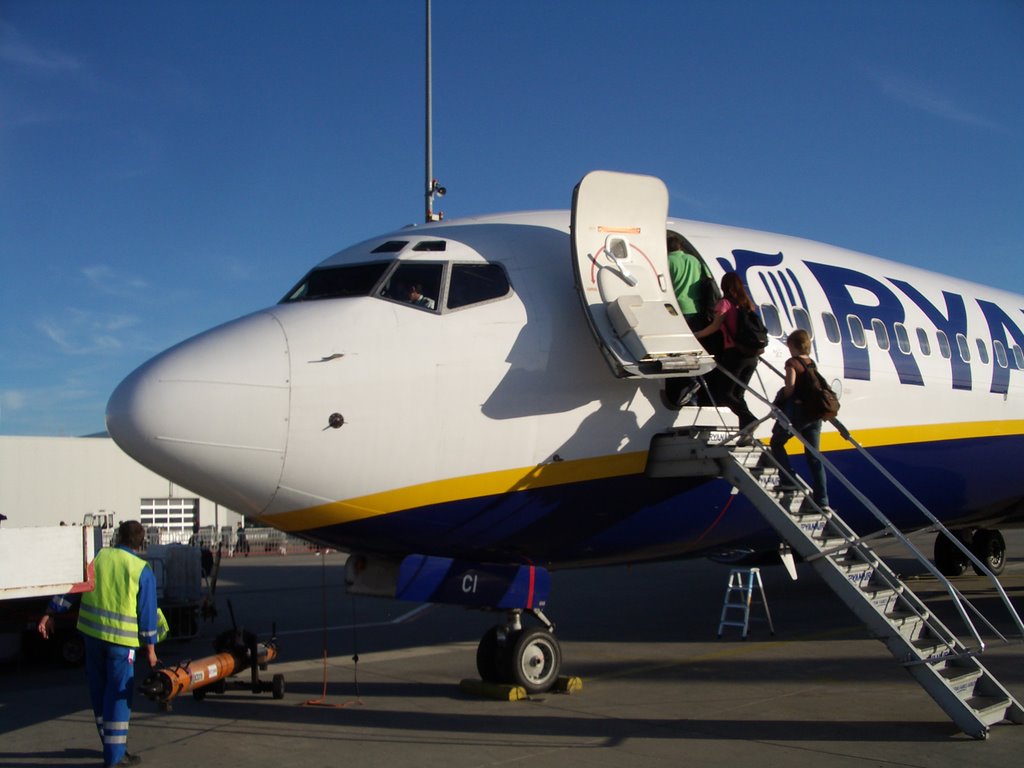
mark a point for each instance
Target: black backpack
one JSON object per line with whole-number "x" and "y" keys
{"x": 817, "y": 400}
{"x": 751, "y": 336}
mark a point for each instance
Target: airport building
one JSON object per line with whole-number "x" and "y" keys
{"x": 46, "y": 481}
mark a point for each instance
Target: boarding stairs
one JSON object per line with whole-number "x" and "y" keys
{"x": 945, "y": 666}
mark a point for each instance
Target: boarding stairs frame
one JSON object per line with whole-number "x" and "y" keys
{"x": 944, "y": 665}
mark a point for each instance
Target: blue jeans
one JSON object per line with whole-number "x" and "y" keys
{"x": 811, "y": 432}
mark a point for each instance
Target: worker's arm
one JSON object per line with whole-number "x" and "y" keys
{"x": 58, "y": 604}
{"x": 147, "y": 613}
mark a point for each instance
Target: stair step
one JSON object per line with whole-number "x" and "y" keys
{"x": 961, "y": 679}
{"x": 990, "y": 709}
{"x": 931, "y": 648}
{"x": 908, "y": 624}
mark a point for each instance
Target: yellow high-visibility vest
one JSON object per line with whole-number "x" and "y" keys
{"x": 110, "y": 611}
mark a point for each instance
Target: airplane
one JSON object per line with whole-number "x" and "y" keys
{"x": 464, "y": 447}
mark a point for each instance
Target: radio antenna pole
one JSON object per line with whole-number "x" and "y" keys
{"x": 432, "y": 187}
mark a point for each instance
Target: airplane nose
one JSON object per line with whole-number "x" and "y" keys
{"x": 211, "y": 414}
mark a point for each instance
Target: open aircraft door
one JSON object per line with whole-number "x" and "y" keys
{"x": 621, "y": 265}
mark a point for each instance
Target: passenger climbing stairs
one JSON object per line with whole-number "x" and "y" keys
{"x": 946, "y": 667}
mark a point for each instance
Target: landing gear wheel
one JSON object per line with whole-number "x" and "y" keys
{"x": 488, "y": 663}
{"x": 948, "y": 558}
{"x": 989, "y": 547}
{"x": 535, "y": 659}
{"x": 277, "y": 686}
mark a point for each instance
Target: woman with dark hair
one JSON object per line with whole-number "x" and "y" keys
{"x": 732, "y": 358}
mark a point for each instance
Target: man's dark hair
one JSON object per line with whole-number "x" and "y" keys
{"x": 131, "y": 534}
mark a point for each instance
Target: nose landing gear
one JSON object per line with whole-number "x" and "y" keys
{"x": 513, "y": 655}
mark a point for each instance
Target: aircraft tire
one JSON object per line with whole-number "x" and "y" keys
{"x": 949, "y": 560}
{"x": 277, "y": 686}
{"x": 535, "y": 660}
{"x": 488, "y": 657}
{"x": 989, "y": 546}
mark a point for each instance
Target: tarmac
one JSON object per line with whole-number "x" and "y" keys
{"x": 373, "y": 682}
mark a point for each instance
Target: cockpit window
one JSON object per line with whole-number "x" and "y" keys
{"x": 475, "y": 283}
{"x": 391, "y": 246}
{"x": 338, "y": 282}
{"x": 415, "y": 282}
{"x": 431, "y": 245}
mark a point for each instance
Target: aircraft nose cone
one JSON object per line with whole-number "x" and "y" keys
{"x": 211, "y": 414}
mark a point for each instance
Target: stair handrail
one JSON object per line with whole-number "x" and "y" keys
{"x": 958, "y": 598}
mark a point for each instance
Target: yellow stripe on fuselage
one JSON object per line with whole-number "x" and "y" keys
{"x": 603, "y": 467}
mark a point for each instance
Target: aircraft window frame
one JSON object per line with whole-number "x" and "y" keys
{"x": 881, "y": 334}
{"x": 1018, "y": 357}
{"x": 364, "y": 284}
{"x": 457, "y": 269}
{"x": 945, "y": 349}
{"x": 803, "y": 320}
{"x": 857, "y": 335}
{"x": 431, "y": 246}
{"x": 431, "y": 285}
{"x": 902, "y": 338}
{"x": 391, "y": 246}
{"x": 770, "y": 317}
{"x": 999, "y": 351}
{"x": 832, "y": 332}
{"x": 922, "y": 341}
{"x": 963, "y": 347}
{"x": 982, "y": 351}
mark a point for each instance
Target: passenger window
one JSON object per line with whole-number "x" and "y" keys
{"x": 1018, "y": 356}
{"x": 856, "y": 331}
{"x": 414, "y": 282}
{"x": 902, "y": 339}
{"x": 770, "y": 316}
{"x": 944, "y": 348}
{"x": 964, "y": 347}
{"x": 476, "y": 283}
{"x": 982, "y": 351}
{"x": 1000, "y": 353}
{"x": 831, "y": 327}
{"x": 803, "y": 320}
{"x": 922, "y": 341}
{"x": 881, "y": 334}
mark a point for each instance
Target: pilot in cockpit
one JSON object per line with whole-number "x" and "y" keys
{"x": 415, "y": 296}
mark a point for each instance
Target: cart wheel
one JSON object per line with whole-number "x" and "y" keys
{"x": 199, "y": 694}
{"x": 277, "y": 686}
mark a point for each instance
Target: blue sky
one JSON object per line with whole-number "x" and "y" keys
{"x": 167, "y": 166}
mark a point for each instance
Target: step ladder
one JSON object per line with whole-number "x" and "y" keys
{"x": 945, "y": 667}
{"x": 739, "y": 595}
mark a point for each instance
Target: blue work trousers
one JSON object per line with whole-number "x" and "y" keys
{"x": 110, "y": 670}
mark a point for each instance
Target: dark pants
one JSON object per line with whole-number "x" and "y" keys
{"x": 727, "y": 392}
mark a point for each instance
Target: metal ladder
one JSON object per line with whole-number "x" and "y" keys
{"x": 944, "y": 666}
{"x": 737, "y": 587}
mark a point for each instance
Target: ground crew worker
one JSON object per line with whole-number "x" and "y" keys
{"x": 115, "y": 617}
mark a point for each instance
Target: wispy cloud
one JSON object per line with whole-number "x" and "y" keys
{"x": 112, "y": 283}
{"x": 17, "y": 50}
{"x": 80, "y": 332}
{"x": 917, "y": 95}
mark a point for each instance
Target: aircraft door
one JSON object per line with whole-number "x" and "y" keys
{"x": 620, "y": 262}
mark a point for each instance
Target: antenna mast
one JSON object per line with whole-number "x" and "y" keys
{"x": 432, "y": 187}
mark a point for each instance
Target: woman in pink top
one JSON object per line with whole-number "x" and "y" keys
{"x": 737, "y": 362}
